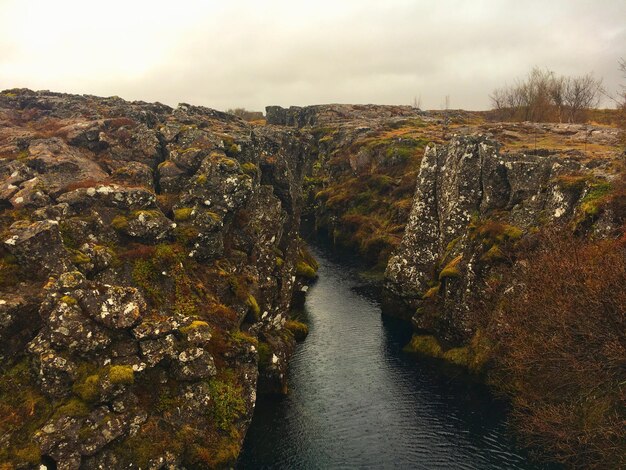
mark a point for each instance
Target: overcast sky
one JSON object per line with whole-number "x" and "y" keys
{"x": 240, "y": 53}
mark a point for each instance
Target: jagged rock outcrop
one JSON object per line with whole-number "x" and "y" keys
{"x": 471, "y": 203}
{"x": 333, "y": 114}
{"x": 148, "y": 255}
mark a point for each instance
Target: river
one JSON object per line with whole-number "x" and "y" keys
{"x": 357, "y": 401}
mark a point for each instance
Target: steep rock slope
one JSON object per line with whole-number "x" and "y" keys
{"x": 148, "y": 263}
{"x": 471, "y": 204}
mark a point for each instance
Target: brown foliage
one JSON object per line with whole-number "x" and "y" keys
{"x": 563, "y": 351}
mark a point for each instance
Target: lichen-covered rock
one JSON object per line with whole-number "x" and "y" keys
{"x": 194, "y": 363}
{"x": 38, "y": 246}
{"x": 70, "y": 328}
{"x": 113, "y": 306}
{"x": 145, "y": 250}
{"x": 471, "y": 203}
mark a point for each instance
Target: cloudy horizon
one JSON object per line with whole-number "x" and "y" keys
{"x": 247, "y": 54}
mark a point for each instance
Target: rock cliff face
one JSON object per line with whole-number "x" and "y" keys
{"x": 472, "y": 204}
{"x": 148, "y": 263}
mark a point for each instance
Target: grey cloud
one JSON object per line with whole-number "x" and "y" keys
{"x": 252, "y": 54}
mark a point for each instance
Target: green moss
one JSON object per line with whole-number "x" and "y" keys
{"x": 201, "y": 179}
{"x": 68, "y": 236}
{"x": 450, "y": 246}
{"x": 254, "y": 307}
{"x": 228, "y": 404}
{"x": 451, "y": 270}
{"x": 30, "y": 454}
{"x": 166, "y": 254}
{"x": 279, "y": 262}
{"x": 591, "y": 203}
{"x": 474, "y": 356}
{"x": 214, "y": 215}
{"x": 121, "y": 375}
{"x": 243, "y": 337}
{"x": 186, "y": 234}
{"x": 23, "y": 410}
{"x": 165, "y": 164}
{"x": 79, "y": 257}
{"x": 74, "y": 407}
{"x": 493, "y": 254}
{"x": 194, "y": 325}
{"x": 69, "y": 300}
{"x": 265, "y": 355}
{"x": 146, "y": 276}
{"x": 147, "y": 213}
{"x": 230, "y": 147}
{"x": 183, "y": 214}
{"x": 250, "y": 169}
{"x": 120, "y": 222}
{"x": 458, "y": 356}
{"x": 88, "y": 389}
{"x": 305, "y": 270}
{"x": 512, "y": 232}
{"x": 424, "y": 344}
{"x": 432, "y": 292}
{"x": 298, "y": 329}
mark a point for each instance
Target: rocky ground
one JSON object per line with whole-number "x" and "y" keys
{"x": 149, "y": 258}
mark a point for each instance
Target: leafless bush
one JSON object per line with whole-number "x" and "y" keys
{"x": 245, "y": 114}
{"x": 544, "y": 96}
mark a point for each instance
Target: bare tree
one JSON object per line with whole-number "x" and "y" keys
{"x": 581, "y": 93}
{"x": 544, "y": 96}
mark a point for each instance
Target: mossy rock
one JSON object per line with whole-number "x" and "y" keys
{"x": 265, "y": 355}
{"x": 78, "y": 257}
{"x": 183, "y": 214}
{"x": 298, "y": 329}
{"x": 74, "y": 407}
{"x": 254, "y": 307}
{"x": 121, "y": 375}
{"x": 186, "y": 234}
{"x": 458, "y": 356}
{"x": 69, "y": 300}
{"x": 305, "y": 270}
{"x": 424, "y": 344}
{"x": 493, "y": 254}
{"x": 451, "y": 270}
{"x": 250, "y": 169}
{"x": 120, "y": 222}
{"x": 194, "y": 325}
{"x": 88, "y": 389}
{"x": 243, "y": 337}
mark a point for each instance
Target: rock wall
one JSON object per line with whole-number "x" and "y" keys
{"x": 471, "y": 205}
{"x": 147, "y": 269}
{"x": 333, "y": 114}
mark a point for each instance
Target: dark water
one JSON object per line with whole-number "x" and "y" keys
{"x": 356, "y": 401}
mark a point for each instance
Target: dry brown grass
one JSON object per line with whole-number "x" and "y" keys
{"x": 563, "y": 351}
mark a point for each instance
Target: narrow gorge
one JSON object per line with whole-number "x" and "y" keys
{"x": 152, "y": 258}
